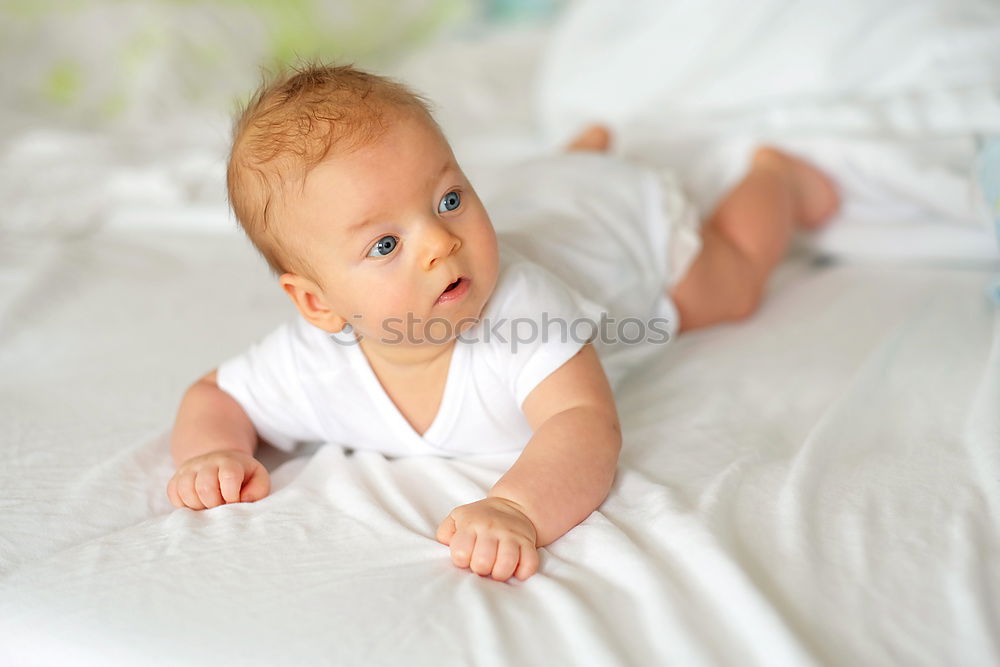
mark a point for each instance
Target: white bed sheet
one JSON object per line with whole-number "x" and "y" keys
{"x": 818, "y": 485}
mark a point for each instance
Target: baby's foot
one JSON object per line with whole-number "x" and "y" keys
{"x": 816, "y": 198}
{"x": 594, "y": 138}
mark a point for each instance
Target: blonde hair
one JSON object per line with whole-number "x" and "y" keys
{"x": 291, "y": 124}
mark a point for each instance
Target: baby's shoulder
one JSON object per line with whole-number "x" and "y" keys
{"x": 526, "y": 288}
{"x": 296, "y": 347}
{"x": 531, "y": 308}
{"x": 522, "y": 283}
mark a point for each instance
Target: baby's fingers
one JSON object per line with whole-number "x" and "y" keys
{"x": 485, "y": 555}
{"x": 230, "y": 480}
{"x": 529, "y": 562}
{"x": 508, "y": 555}
{"x": 462, "y": 544}
{"x": 172, "y": 494}
{"x": 186, "y": 492}
{"x": 207, "y": 486}
{"x": 256, "y": 485}
{"x": 445, "y": 530}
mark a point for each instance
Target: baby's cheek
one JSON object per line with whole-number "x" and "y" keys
{"x": 385, "y": 325}
{"x": 489, "y": 260}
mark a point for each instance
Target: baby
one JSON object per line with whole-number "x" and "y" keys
{"x": 408, "y": 340}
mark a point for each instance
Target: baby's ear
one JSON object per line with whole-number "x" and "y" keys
{"x": 309, "y": 299}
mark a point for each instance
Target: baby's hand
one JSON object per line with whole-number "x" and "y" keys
{"x": 215, "y": 478}
{"x": 491, "y": 536}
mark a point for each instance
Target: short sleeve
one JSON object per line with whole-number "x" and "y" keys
{"x": 267, "y": 383}
{"x": 534, "y": 323}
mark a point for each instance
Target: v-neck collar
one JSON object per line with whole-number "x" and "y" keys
{"x": 446, "y": 408}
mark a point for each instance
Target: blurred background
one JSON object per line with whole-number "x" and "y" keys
{"x": 118, "y": 112}
{"x": 92, "y": 63}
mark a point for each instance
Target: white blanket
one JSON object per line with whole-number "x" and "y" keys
{"x": 817, "y": 485}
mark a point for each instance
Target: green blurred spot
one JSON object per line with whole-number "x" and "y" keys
{"x": 142, "y": 46}
{"x": 370, "y": 33}
{"x": 423, "y": 26}
{"x": 113, "y": 106}
{"x": 62, "y": 84}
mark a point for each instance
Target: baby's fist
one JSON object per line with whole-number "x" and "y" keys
{"x": 216, "y": 478}
{"x": 491, "y": 537}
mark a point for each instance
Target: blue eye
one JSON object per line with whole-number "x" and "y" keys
{"x": 449, "y": 202}
{"x": 385, "y": 245}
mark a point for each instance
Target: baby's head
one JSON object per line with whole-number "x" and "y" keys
{"x": 350, "y": 191}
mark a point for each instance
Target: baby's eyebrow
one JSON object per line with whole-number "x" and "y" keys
{"x": 351, "y": 230}
{"x": 444, "y": 169}
{"x": 358, "y": 226}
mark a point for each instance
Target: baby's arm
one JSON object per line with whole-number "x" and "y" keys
{"x": 563, "y": 474}
{"x": 213, "y": 443}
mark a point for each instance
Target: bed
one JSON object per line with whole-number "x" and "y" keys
{"x": 816, "y": 485}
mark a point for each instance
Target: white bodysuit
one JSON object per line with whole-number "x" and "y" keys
{"x": 581, "y": 237}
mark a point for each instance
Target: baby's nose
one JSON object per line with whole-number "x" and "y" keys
{"x": 440, "y": 243}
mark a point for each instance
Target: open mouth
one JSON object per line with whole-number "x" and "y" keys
{"x": 454, "y": 291}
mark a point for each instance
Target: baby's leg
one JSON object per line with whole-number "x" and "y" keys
{"x": 747, "y": 235}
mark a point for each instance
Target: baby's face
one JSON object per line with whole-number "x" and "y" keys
{"x": 387, "y": 228}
